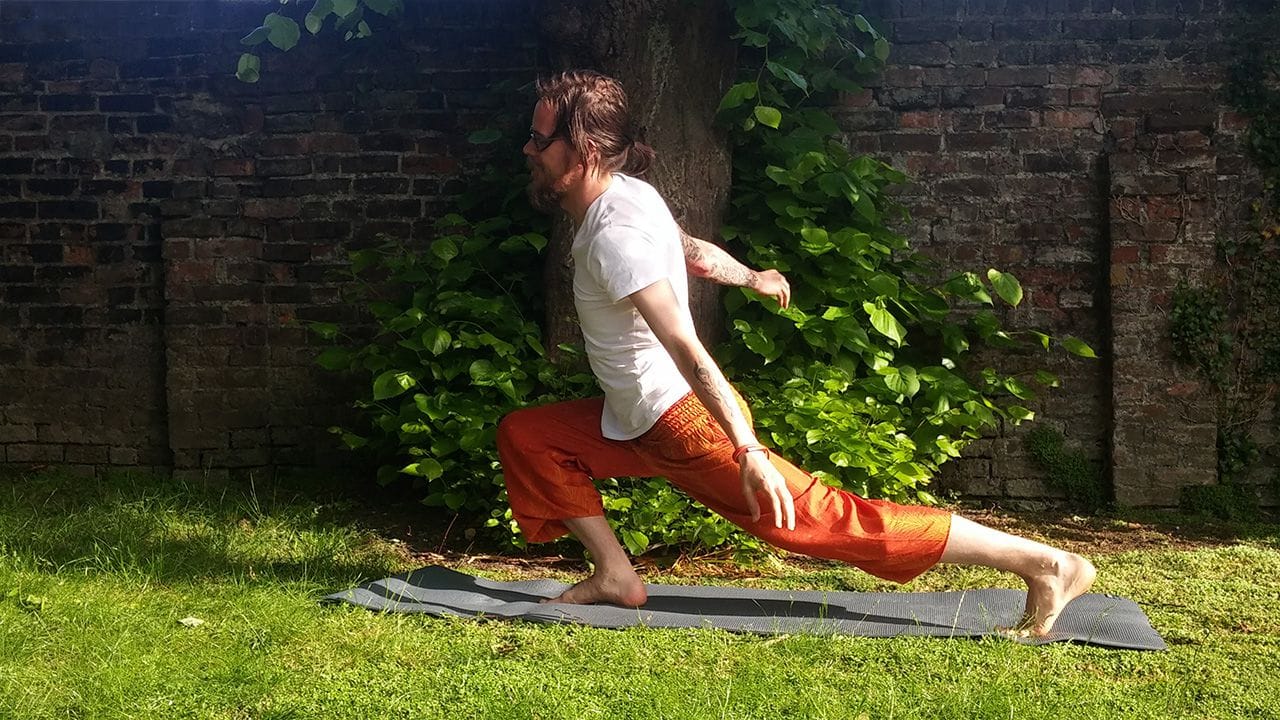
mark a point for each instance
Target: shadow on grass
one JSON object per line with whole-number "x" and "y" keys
{"x": 169, "y": 530}
{"x": 301, "y": 529}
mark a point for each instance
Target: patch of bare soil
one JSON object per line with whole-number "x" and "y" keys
{"x": 430, "y": 539}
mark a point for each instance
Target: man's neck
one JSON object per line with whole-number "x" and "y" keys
{"x": 577, "y": 202}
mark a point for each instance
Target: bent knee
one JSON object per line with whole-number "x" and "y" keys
{"x": 516, "y": 429}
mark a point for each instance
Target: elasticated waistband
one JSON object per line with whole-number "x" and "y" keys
{"x": 689, "y": 412}
{"x": 686, "y": 412}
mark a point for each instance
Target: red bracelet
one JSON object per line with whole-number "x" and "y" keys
{"x": 737, "y": 454}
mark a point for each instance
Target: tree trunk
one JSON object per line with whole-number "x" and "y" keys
{"x": 676, "y": 60}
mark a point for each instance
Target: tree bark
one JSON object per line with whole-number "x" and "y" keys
{"x": 675, "y": 59}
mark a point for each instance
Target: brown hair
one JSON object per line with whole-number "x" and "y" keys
{"x": 591, "y": 112}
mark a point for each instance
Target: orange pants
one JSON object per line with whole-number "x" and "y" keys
{"x": 551, "y": 453}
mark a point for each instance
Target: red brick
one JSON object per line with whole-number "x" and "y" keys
{"x": 974, "y": 141}
{"x": 1069, "y": 118}
{"x": 190, "y": 271}
{"x": 955, "y": 77}
{"x": 1010, "y": 119}
{"x": 1010, "y": 254}
{"x": 1163, "y": 208}
{"x": 900, "y": 77}
{"x": 1090, "y": 96}
{"x": 428, "y": 165}
{"x": 860, "y": 99}
{"x": 921, "y": 165}
{"x": 1014, "y": 76}
{"x": 921, "y": 119}
{"x": 282, "y": 145}
{"x": 1082, "y": 75}
{"x": 1232, "y": 121}
{"x": 252, "y": 119}
{"x": 1044, "y": 298}
{"x": 330, "y": 143}
{"x": 929, "y": 53}
{"x": 78, "y": 255}
{"x": 271, "y": 208}
{"x": 237, "y": 167}
{"x": 232, "y": 247}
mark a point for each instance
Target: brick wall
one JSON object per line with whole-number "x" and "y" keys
{"x": 162, "y": 225}
{"x": 1031, "y": 129}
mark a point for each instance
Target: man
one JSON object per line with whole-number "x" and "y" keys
{"x": 667, "y": 409}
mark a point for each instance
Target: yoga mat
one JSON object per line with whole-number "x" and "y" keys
{"x": 1094, "y": 619}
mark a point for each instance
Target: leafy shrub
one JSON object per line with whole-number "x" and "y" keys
{"x": 864, "y": 380}
{"x": 1068, "y": 471}
{"x": 1223, "y": 501}
{"x": 859, "y": 381}
{"x": 456, "y": 348}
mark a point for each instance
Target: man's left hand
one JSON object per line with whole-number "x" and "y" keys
{"x": 760, "y": 476}
{"x": 772, "y": 283}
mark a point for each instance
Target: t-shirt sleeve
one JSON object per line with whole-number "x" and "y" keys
{"x": 625, "y": 259}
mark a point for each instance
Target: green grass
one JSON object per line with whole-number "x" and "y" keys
{"x": 95, "y": 576}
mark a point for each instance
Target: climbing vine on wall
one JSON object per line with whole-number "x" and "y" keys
{"x": 1228, "y": 329}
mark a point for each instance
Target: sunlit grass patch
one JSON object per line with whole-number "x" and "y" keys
{"x": 96, "y": 578}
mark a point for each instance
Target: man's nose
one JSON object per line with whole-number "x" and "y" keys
{"x": 529, "y": 150}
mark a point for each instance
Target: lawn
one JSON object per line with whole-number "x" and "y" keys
{"x": 98, "y": 575}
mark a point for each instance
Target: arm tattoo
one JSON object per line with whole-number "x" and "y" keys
{"x": 717, "y": 265}
{"x": 716, "y": 387}
{"x": 739, "y": 276}
{"x": 692, "y": 253}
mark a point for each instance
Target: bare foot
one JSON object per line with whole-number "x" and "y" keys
{"x": 623, "y": 588}
{"x": 1062, "y": 581}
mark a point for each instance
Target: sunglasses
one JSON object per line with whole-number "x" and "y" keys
{"x": 542, "y": 142}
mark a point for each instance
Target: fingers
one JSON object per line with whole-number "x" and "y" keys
{"x": 777, "y": 507}
{"x": 790, "y": 505}
{"x": 774, "y": 284}
{"x": 772, "y": 484}
{"x": 784, "y": 508}
{"x": 752, "y": 505}
{"x": 784, "y": 290}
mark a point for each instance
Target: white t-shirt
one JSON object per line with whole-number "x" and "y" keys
{"x": 627, "y": 242}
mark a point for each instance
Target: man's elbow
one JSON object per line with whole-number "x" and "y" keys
{"x": 698, "y": 268}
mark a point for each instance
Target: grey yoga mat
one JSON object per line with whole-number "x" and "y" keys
{"x": 1095, "y": 619}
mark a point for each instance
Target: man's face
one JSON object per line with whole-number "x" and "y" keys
{"x": 555, "y": 168}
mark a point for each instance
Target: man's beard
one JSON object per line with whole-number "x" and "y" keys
{"x": 545, "y": 195}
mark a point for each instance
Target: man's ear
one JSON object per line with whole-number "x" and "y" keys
{"x": 588, "y": 157}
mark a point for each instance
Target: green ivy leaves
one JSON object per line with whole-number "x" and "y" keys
{"x": 783, "y": 72}
{"x": 249, "y": 68}
{"x": 1007, "y": 286}
{"x": 766, "y": 115}
{"x": 283, "y": 32}
{"x": 280, "y": 31}
{"x": 737, "y": 95}
{"x": 391, "y": 383}
{"x": 454, "y": 352}
{"x": 1076, "y": 346}
{"x": 884, "y": 322}
{"x": 866, "y": 380}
